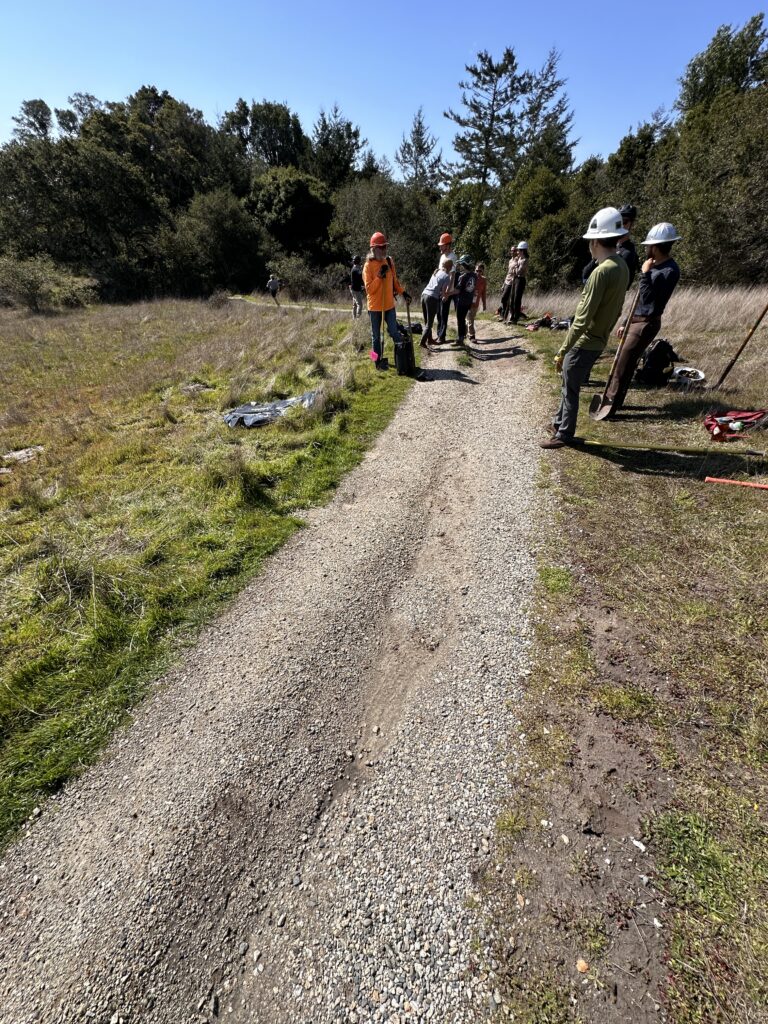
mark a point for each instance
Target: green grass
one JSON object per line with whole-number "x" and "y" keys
{"x": 681, "y": 564}
{"x": 145, "y": 511}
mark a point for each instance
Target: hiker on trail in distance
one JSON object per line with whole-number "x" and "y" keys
{"x": 480, "y": 292}
{"x": 445, "y": 248}
{"x": 274, "y": 285}
{"x": 381, "y": 287}
{"x": 356, "y": 288}
{"x": 502, "y": 313}
{"x": 658, "y": 278}
{"x": 519, "y": 277}
{"x": 626, "y": 247}
{"x": 432, "y": 300}
{"x": 598, "y": 310}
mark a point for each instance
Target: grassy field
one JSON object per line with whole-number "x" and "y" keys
{"x": 142, "y": 509}
{"x": 652, "y": 647}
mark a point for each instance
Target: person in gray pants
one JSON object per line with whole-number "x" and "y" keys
{"x": 597, "y": 312}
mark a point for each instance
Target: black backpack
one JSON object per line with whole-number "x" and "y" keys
{"x": 657, "y": 364}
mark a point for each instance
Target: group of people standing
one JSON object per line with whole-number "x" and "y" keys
{"x": 606, "y": 280}
{"x": 514, "y": 284}
{"x": 458, "y": 281}
{"x": 461, "y": 282}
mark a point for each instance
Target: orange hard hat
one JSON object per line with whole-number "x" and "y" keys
{"x": 445, "y": 239}
{"x": 378, "y": 238}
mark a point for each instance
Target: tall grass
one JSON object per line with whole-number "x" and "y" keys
{"x": 144, "y": 509}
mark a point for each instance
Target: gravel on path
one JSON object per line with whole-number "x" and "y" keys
{"x": 288, "y": 831}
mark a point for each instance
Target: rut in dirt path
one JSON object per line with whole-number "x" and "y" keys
{"x": 289, "y": 829}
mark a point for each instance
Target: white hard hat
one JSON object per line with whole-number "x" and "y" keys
{"x": 663, "y": 232}
{"x": 606, "y": 223}
{"x": 522, "y": 245}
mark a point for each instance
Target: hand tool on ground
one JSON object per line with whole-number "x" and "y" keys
{"x": 736, "y": 483}
{"x": 675, "y": 450}
{"x": 743, "y": 345}
{"x": 600, "y": 406}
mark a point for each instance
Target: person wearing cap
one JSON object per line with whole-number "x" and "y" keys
{"x": 506, "y": 292}
{"x": 445, "y": 248}
{"x": 381, "y": 287}
{"x": 658, "y": 279}
{"x": 519, "y": 278}
{"x": 432, "y": 299}
{"x": 356, "y": 288}
{"x": 626, "y": 247}
{"x": 463, "y": 293}
{"x": 596, "y": 314}
{"x": 481, "y": 289}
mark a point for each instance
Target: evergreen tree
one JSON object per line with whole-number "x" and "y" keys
{"x": 734, "y": 60}
{"x": 35, "y": 121}
{"x": 490, "y": 125}
{"x": 419, "y": 167}
{"x": 268, "y": 133}
{"x": 546, "y": 121}
{"x": 336, "y": 148}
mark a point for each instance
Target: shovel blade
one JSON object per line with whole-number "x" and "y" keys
{"x": 599, "y": 407}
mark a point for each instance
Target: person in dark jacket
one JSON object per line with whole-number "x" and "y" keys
{"x": 464, "y": 294}
{"x": 658, "y": 278}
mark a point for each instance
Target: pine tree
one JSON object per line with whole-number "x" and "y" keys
{"x": 491, "y": 125}
{"x": 336, "y": 148}
{"x": 734, "y": 60}
{"x": 414, "y": 157}
{"x": 546, "y": 122}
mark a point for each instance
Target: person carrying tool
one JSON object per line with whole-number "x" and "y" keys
{"x": 356, "y": 287}
{"x": 598, "y": 310}
{"x": 432, "y": 298}
{"x": 381, "y": 287}
{"x": 480, "y": 292}
{"x": 658, "y": 278}
{"x": 519, "y": 278}
{"x": 274, "y": 284}
{"x": 506, "y": 292}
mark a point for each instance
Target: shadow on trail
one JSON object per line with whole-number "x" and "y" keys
{"x": 655, "y": 462}
{"x": 497, "y": 353}
{"x": 440, "y": 374}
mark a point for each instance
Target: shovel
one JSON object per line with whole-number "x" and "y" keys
{"x": 743, "y": 345}
{"x": 601, "y": 406}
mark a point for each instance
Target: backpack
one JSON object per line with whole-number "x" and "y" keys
{"x": 657, "y": 364}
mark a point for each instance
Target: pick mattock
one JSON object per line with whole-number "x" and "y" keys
{"x": 601, "y": 405}
{"x": 743, "y": 345}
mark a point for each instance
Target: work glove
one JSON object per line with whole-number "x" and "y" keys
{"x": 407, "y": 297}
{"x": 559, "y": 362}
{"x": 383, "y": 270}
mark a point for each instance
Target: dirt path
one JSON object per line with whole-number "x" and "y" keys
{"x": 289, "y": 829}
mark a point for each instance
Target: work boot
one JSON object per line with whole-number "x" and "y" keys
{"x": 554, "y": 442}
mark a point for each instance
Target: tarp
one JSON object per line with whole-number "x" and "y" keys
{"x": 259, "y": 414}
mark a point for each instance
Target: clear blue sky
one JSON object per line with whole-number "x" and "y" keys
{"x": 379, "y": 60}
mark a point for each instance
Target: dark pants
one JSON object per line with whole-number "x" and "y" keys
{"x": 506, "y": 300}
{"x": 576, "y": 369}
{"x": 461, "y": 320}
{"x": 442, "y": 323}
{"x": 518, "y": 287}
{"x": 637, "y": 338}
{"x": 430, "y": 310}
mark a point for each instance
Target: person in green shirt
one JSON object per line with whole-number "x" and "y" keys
{"x": 596, "y": 314}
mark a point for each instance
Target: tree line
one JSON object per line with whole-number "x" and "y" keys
{"x": 142, "y": 197}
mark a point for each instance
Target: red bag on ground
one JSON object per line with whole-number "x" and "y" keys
{"x": 723, "y": 426}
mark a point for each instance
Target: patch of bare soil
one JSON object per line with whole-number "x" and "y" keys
{"x": 578, "y": 927}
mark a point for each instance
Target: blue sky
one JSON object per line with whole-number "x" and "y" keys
{"x": 379, "y": 61}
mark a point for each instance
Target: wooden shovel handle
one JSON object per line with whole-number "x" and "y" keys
{"x": 743, "y": 345}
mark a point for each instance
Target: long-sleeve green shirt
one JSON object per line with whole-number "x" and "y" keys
{"x": 599, "y": 306}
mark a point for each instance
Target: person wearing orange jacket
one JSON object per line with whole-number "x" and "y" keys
{"x": 381, "y": 287}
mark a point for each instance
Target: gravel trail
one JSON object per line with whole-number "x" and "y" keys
{"x": 289, "y": 828}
